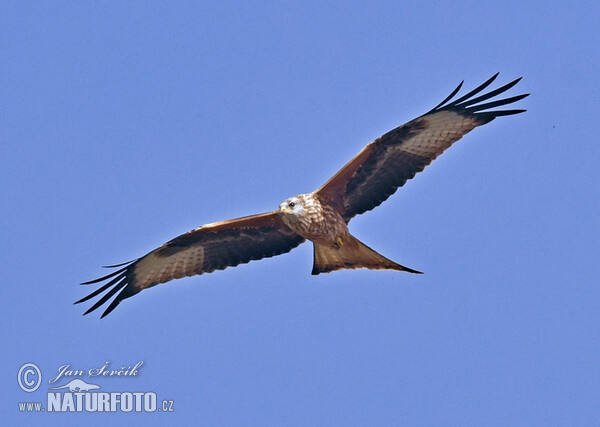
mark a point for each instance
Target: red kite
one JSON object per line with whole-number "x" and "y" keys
{"x": 321, "y": 216}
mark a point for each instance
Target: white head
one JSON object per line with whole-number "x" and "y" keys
{"x": 292, "y": 208}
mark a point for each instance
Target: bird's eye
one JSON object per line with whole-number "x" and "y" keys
{"x": 291, "y": 204}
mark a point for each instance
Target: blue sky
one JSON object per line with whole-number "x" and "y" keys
{"x": 124, "y": 124}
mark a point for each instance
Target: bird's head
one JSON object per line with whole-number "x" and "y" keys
{"x": 292, "y": 207}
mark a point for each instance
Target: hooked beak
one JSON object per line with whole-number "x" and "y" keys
{"x": 285, "y": 210}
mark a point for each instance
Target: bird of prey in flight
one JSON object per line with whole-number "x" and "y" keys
{"x": 321, "y": 216}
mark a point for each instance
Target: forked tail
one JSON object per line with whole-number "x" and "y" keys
{"x": 351, "y": 253}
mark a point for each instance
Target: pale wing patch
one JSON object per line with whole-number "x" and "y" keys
{"x": 441, "y": 130}
{"x": 154, "y": 269}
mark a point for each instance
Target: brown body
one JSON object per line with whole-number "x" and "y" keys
{"x": 317, "y": 221}
{"x": 334, "y": 247}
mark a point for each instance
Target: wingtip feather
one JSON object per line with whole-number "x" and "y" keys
{"x": 449, "y": 97}
{"x": 119, "y": 265}
{"x": 473, "y": 104}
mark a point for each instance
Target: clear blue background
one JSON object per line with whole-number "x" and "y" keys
{"x": 124, "y": 124}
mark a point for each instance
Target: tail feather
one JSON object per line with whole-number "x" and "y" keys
{"x": 351, "y": 253}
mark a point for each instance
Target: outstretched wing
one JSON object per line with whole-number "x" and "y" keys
{"x": 388, "y": 162}
{"x": 210, "y": 247}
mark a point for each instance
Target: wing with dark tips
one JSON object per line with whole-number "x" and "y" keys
{"x": 388, "y": 162}
{"x": 203, "y": 250}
